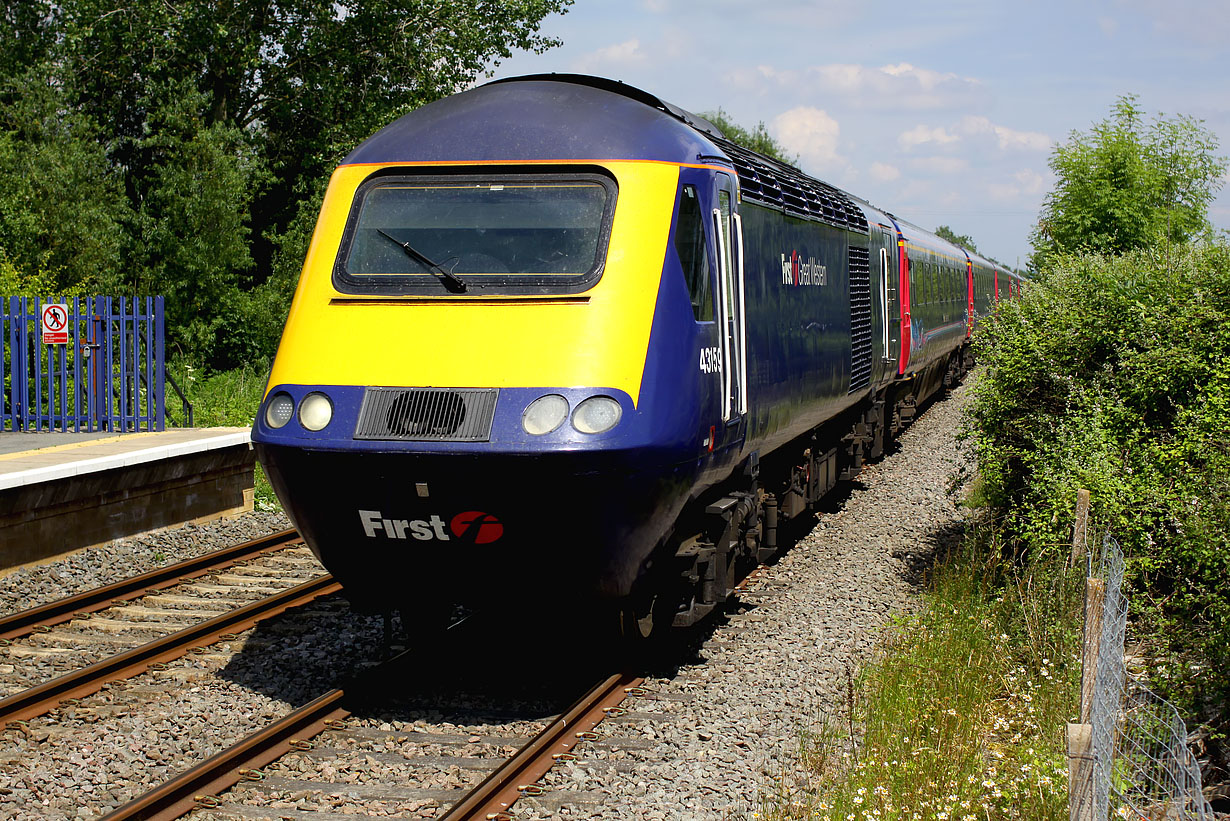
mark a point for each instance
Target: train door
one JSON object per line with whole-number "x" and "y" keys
{"x": 728, "y": 232}
{"x": 885, "y": 319}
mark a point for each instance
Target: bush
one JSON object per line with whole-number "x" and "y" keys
{"x": 1111, "y": 373}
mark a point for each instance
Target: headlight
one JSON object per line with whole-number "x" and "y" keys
{"x": 545, "y": 414}
{"x": 315, "y": 411}
{"x": 279, "y": 410}
{"x": 597, "y": 414}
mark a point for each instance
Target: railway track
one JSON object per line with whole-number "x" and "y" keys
{"x": 417, "y": 763}
{"x": 25, "y": 622}
{"x": 187, "y": 605}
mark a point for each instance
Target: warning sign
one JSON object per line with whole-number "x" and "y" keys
{"x": 55, "y": 324}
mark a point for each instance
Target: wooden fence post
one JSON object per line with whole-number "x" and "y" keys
{"x": 1080, "y": 772}
{"x": 1095, "y": 595}
{"x": 1080, "y": 735}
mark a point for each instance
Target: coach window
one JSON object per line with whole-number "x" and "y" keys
{"x": 693, "y": 256}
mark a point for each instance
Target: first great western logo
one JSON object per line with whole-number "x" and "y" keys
{"x": 470, "y": 527}
{"x": 798, "y": 271}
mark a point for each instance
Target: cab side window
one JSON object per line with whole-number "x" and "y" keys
{"x": 693, "y": 256}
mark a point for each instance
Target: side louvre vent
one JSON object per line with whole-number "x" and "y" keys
{"x": 860, "y": 318}
{"x": 783, "y": 186}
{"x": 427, "y": 414}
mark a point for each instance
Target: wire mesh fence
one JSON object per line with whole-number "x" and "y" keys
{"x": 1141, "y": 765}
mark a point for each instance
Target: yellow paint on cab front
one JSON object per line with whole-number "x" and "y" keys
{"x": 597, "y": 338}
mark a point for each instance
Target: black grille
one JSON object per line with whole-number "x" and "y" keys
{"x": 774, "y": 183}
{"x": 427, "y": 414}
{"x": 860, "y": 318}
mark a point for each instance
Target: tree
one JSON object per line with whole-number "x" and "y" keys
{"x": 758, "y": 139}
{"x": 956, "y": 239}
{"x": 182, "y": 147}
{"x": 27, "y": 33}
{"x": 1127, "y": 184}
{"x": 62, "y": 209}
{"x": 304, "y": 80}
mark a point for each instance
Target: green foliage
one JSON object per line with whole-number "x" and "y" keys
{"x": 190, "y": 233}
{"x": 956, "y": 239}
{"x": 1111, "y": 374}
{"x": 27, "y": 32}
{"x": 757, "y": 139}
{"x": 61, "y": 204}
{"x": 1127, "y": 184}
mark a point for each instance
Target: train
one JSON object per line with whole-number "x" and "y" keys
{"x": 555, "y": 336}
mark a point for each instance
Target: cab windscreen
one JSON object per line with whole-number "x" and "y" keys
{"x": 499, "y": 234}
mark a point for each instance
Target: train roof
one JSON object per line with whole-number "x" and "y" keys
{"x": 542, "y": 117}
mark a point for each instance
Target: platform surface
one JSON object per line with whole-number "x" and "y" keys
{"x": 30, "y": 458}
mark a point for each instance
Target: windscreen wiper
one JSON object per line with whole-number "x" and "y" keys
{"x": 452, "y": 281}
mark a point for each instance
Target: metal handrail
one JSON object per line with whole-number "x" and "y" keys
{"x": 187, "y": 406}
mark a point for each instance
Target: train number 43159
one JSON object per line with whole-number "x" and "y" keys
{"x": 710, "y": 360}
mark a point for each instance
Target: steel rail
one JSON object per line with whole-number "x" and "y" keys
{"x": 492, "y": 798}
{"x": 25, "y": 622}
{"x": 199, "y": 786}
{"x": 41, "y": 699}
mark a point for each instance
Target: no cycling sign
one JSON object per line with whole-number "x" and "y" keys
{"x": 55, "y": 324}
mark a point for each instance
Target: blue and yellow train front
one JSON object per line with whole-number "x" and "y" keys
{"x": 485, "y": 384}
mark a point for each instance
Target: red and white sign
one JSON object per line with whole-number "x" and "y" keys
{"x": 55, "y": 324}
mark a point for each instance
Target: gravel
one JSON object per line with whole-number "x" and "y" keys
{"x": 122, "y": 558}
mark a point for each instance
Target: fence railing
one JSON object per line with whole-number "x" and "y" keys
{"x": 83, "y": 364}
{"x": 1129, "y": 756}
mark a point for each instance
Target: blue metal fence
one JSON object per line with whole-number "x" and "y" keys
{"x": 83, "y": 364}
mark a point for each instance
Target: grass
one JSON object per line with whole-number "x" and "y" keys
{"x": 962, "y": 716}
{"x": 226, "y": 399}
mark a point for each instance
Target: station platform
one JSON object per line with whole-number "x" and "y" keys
{"x": 61, "y": 492}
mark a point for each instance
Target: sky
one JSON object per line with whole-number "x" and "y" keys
{"x": 945, "y": 113}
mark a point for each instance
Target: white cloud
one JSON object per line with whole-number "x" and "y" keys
{"x": 1009, "y": 139}
{"x": 901, "y": 85}
{"x": 813, "y": 135}
{"x": 921, "y": 134}
{"x": 941, "y": 165}
{"x": 883, "y": 172}
{"x": 619, "y": 55}
{"x": 1191, "y": 21}
{"x": 1031, "y": 181}
{"x": 893, "y": 86}
{"x": 1027, "y": 183}
{"x": 913, "y": 191}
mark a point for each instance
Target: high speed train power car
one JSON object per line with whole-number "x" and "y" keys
{"x": 555, "y": 333}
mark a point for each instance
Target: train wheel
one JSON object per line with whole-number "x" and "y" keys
{"x": 644, "y": 622}
{"x": 639, "y": 621}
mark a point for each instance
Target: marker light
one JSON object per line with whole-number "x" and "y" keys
{"x": 597, "y": 414}
{"x": 315, "y": 411}
{"x": 545, "y": 414}
{"x": 279, "y": 410}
